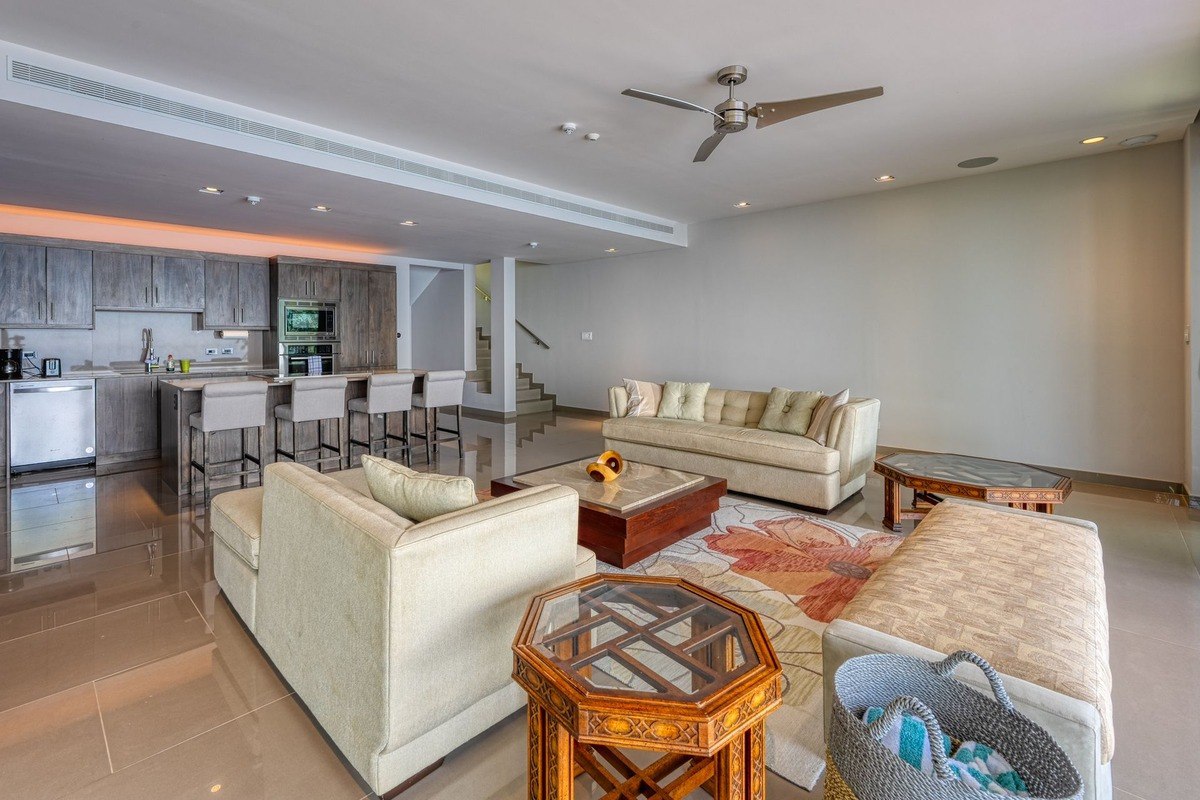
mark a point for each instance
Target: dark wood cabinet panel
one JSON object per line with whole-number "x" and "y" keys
{"x": 126, "y": 415}
{"x": 121, "y": 280}
{"x": 297, "y": 279}
{"x": 69, "y": 288}
{"x": 354, "y": 311}
{"x": 220, "y": 294}
{"x": 292, "y": 281}
{"x": 23, "y": 284}
{"x": 326, "y": 283}
{"x": 254, "y": 296}
{"x": 383, "y": 319}
{"x": 178, "y": 283}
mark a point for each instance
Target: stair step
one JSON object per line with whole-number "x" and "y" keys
{"x": 479, "y": 375}
{"x": 529, "y": 394}
{"x": 535, "y": 406}
{"x": 523, "y": 383}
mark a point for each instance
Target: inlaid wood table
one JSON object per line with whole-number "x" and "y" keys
{"x": 932, "y": 474}
{"x": 613, "y": 663}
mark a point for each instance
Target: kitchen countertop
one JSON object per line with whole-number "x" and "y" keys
{"x": 195, "y": 384}
{"x": 160, "y": 373}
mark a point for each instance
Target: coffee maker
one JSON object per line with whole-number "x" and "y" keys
{"x": 11, "y": 360}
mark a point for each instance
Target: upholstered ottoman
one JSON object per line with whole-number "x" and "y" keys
{"x": 1025, "y": 591}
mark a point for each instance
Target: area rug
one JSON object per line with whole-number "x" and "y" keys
{"x": 797, "y": 571}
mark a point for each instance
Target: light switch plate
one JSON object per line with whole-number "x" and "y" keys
{"x": 587, "y": 336}
{"x": 31, "y": 353}
{"x": 226, "y": 351}
{"x": 210, "y": 351}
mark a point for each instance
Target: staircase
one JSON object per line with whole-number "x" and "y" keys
{"x": 531, "y": 397}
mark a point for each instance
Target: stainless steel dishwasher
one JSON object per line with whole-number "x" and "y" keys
{"x": 51, "y": 423}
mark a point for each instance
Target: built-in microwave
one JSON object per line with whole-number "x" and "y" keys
{"x": 307, "y": 321}
{"x": 313, "y": 358}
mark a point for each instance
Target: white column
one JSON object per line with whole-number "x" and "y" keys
{"x": 403, "y": 318}
{"x": 1191, "y": 179}
{"x": 504, "y": 334}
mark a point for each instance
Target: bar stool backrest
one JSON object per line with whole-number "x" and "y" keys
{"x": 390, "y": 392}
{"x": 444, "y": 388}
{"x": 318, "y": 398}
{"x": 233, "y": 404}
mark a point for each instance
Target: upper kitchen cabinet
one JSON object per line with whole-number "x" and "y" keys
{"x": 178, "y": 283}
{"x": 383, "y": 319}
{"x": 121, "y": 280}
{"x": 304, "y": 279}
{"x": 236, "y": 295}
{"x": 45, "y": 287}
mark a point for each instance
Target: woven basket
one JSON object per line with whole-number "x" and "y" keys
{"x": 860, "y": 768}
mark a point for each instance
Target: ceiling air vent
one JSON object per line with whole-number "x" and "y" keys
{"x": 25, "y": 72}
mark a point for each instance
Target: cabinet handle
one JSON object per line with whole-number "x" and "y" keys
{"x": 39, "y": 310}
{"x": 156, "y": 294}
{"x": 147, "y": 294}
{"x": 242, "y": 317}
{"x": 51, "y": 309}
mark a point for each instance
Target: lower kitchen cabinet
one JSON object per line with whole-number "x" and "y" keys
{"x": 126, "y": 418}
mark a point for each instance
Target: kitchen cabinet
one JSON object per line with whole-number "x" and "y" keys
{"x": 126, "y": 417}
{"x": 69, "y": 288}
{"x": 178, "y": 283}
{"x": 383, "y": 319}
{"x": 235, "y": 295}
{"x": 306, "y": 280}
{"x": 23, "y": 278}
{"x": 45, "y": 287}
{"x": 354, "y": 313}
{"x": 121, "y": 280}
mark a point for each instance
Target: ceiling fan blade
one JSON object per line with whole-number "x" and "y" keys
{"x": 770, "y": 113}
{"x": 668, "y": 101}
{"x": 707, "y": 146}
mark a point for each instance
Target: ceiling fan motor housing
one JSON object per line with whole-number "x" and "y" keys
{"x": 733, "y": 116}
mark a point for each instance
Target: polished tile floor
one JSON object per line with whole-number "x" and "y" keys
{"x": 124, "y": 674}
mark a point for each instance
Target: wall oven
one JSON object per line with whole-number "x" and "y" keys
{"x": 299, "y": 359}
{"x": 307, "y": 321}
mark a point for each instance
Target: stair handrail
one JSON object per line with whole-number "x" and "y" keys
{"x": 536, "y": 339}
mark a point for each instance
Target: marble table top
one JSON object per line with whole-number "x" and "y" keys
{"x": 637, "y": 485}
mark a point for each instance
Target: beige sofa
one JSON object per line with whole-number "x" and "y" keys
{"x": 729, "y": 445}
{"x": 1026, "y": 591}
{"x": 396, "y": 635}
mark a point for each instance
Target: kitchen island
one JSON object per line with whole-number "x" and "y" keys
{"x": 180, "y": 397}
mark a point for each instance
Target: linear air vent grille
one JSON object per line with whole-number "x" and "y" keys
{"x": 75, "y": 84}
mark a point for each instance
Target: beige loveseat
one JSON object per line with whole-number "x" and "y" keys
{"x": 1024, "y": 590}
{"x": 729, "y": 445}
{"x": 395, "y": 634}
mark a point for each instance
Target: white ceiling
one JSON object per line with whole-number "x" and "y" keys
{"x": 486, "y": 84}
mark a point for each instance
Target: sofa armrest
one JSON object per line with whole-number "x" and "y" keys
{"x": 854, "y": 432}
{"x": 618, "y": 401}
{"x": 460, "y": 585}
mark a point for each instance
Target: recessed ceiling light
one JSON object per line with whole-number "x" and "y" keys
{"x": 408, "y": 222}
{"x": 322, "y": 209}
{"x": 743, "y": 204}
{"x": 212, "y": 190}
{"x": 975, "y": 163}
{"x": 532, "y": 244}
{"x": 1134, "y": 141}
{"x": 1093, "y": 140}
{"x": 884, "y": 178}
{"x": 611, "y": 250}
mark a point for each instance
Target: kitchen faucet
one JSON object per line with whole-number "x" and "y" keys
{"x": 149, "y": 358}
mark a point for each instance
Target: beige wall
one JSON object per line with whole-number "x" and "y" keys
{"x": 1029, "y": 314}
{"x": 1192, "y": 350}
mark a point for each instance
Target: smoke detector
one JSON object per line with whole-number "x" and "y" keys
{"x": 591, "y": 137}
{"x": 253, "y": 200}
{"x": 532, "y": 245}
{"x": 568, "y": 128}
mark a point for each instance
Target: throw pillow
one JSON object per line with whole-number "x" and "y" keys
{"x": 644, "y": 398}
{"x": 416, "y": 495}
{"x": 683, "y": 401}
{"x": 818, "y": 429}
{"x": 788, "y": 411}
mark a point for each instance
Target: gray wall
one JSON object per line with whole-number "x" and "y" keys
{"x": 437, "y": 323}
{"x": 116, "y": 342}
{"x": 1029, "y": 314}
{"x": 1192, "y": 355}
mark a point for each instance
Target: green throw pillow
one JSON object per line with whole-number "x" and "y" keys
{"x": 683, "y": 401}
{"x": 788, "y": 411}
{"x": 416, "y": 495}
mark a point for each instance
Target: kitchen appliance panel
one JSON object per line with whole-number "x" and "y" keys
{"x": 293, "y": 358}
{"x": 51, "y": 423}
{"x": 307, "y": 321}
{"x": 11, "y": 359}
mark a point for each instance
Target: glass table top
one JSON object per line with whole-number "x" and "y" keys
{"x": 969, "y": 469}
{"x": 659, "y": 641}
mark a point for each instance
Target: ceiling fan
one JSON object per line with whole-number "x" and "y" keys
{"x": 733, "y": 115}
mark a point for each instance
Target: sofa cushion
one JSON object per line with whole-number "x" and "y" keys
{"x": 415, "y": 495}
{"x": 237, "y": 521}
{"x": 1025, "y": 591}
{"x": 585, "y": 562}
{"x": 644, "y": 398}
{"x": 734, "y": 407}
{"x": 355, "y": 479}
{"x": 818, "y": 429}
{"x": 727, "y": 441}
{"x": 683, "y": 401}
{"x": 788, "y": 411}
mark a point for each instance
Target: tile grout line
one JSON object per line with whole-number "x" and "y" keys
{"x": 203, "y": 619}
{"x": 1155, "y": 638}
{"x": 103, "y": 729}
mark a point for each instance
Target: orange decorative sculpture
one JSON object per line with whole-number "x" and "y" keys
{"x": 606, "y": 467}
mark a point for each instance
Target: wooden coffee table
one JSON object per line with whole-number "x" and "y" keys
{"x": 932, "y": 474}
{"x": 635, "y": 662}
{"x": 644, "y": 510}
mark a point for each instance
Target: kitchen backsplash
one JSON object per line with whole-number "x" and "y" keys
{"x": 117, "y": 342}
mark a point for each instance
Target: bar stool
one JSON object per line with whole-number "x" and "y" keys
{"x": 316, "y": 400}
{"x": 388, "y": 393}
{"x": 442, "y": 389}
{"x": 230, "y": 406}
